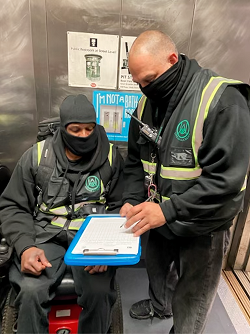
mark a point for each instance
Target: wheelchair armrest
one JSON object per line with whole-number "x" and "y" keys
{"x": 5, "y": 257}
{"x": 66, "y": 289}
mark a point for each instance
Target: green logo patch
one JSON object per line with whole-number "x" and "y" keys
{"x": 182, "y": 132}
{"x": 92, "y": 183}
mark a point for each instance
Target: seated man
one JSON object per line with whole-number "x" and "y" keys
{"x": 42, "y": 207}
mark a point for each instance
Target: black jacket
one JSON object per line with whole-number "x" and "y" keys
{"x": 223, "y": 155}
{"x": 19, "y": 200}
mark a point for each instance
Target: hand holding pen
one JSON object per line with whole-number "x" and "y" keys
{"x": 131, "y": 206}
{"x": 143, "y": 217}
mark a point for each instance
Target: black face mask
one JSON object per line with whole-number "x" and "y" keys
{"x": 80, "y": 146}
{"x": 164, "y": 85}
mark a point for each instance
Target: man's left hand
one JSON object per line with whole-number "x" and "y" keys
{"x": 149, "y": 216}
{"x": 96, "y": 269}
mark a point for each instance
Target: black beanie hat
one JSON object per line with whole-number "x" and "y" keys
{"x": 77, "y": 109}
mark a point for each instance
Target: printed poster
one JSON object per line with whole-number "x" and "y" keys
{"x": 125, "y": 78}
{"x": 92, "y": 60}
{"x": 111, "y": 111}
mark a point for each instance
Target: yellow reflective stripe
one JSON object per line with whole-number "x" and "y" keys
{"x": 206, "y": 98}
{"x": 110, "y": 153}
{"x": 62, "y": 210}
{"x": 164, "y": 198}
{"x": 244, "y": 184}
{"x": 180, "y": 173}
{"x": 59, "y": 211}
{"x": 149, "y": 167}
{"x": 56, "y": 224}
{"x": 75, "y": 224}
{"x": 140, "y": 106}
{"x": 223, "y": 80}
{"x": 58, "y": 221}
{"x": 40, "y": 145}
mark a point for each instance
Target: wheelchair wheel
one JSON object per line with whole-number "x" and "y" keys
{"x": 116, "y": 326}
{"x": 9, "y": 320}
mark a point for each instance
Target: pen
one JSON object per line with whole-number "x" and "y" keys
{"x": 147, "y": 200}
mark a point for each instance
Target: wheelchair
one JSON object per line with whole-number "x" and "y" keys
{"x": 63, "y": 317}
{"x": 64, "y": 313}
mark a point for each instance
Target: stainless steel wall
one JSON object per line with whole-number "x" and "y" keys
{"x": 17, "y": 91}
{"x": 33, "y": 40}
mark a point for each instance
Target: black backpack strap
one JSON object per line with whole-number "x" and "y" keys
{"x": 106, "y": 171}
{"x": 46, "y": 165}
{"x": 47, "y": 128}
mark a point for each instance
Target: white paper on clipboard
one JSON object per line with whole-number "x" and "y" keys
{"x": 105, "y": 233}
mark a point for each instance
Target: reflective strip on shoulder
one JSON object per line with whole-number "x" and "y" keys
{"x": 206, "y": 98}
{"x": 149, "y": 167}
{"x": 140, "y": 106}
{"x": 40, "y": 146}
{"x": 110, "y": 155}
{"x": 244, "y": 184}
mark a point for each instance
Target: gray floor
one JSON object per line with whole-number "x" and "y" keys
{"x": 134, "y": 286}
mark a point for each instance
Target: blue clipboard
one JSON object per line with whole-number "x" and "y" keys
{"x": 111, "y": 260}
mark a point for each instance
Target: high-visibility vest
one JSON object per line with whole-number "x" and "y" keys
{"x": 92, "y": 190}
{"x": 182, "y": 136}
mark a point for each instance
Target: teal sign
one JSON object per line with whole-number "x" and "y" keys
{"x": 111, "y": 112}
{"x": 182, "y": 132}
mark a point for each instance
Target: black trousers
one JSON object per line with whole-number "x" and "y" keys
{"x": 198, "y": 261}
{"x": 96, "y": 294}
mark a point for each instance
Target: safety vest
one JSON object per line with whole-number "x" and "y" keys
{"x": 183, "y": 135}
{"x": 91, "y": 192}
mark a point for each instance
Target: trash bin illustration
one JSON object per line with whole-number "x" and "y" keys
{"x": 93, "y": 67}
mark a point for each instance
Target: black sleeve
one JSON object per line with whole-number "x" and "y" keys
{"x": 134, "y": 189}
{"x": 114, "y": 196}
{"x": 223, "y": 157}
{"x": 17, "y": 205}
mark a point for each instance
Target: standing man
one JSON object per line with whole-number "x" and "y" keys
{"x": 194, "y": 168}
{"x": 56, "y": 184}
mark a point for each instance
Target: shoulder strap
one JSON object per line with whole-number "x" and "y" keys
{"x": 46, "y": 163}
{"x": 140, "y": 107}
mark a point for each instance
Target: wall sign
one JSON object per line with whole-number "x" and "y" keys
{"x": 125, "y": 78}
{"x": 92, "y": 60}
{"x": 111, "y": 108}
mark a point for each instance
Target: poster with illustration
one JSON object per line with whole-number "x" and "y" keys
{"x": 125, "y": 78}
{"x": 112, "y": 111}
{"x": 92, "y": 60}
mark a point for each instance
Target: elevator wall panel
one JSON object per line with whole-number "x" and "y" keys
{"x": 221, "y": 35}
{"x": 17, "y": 91}
{"x": 101, "y": 17}
{"x": 174, "y": 17}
